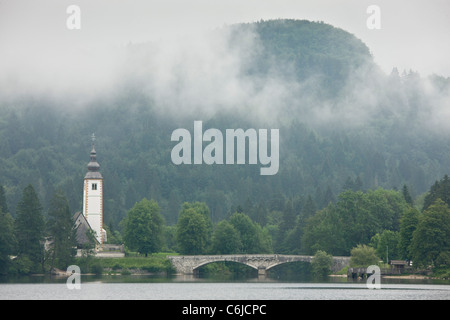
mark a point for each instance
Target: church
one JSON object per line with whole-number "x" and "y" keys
{"x": 91, "y": 216}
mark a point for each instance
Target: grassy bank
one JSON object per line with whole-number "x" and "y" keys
{"x": 155, "y": 263}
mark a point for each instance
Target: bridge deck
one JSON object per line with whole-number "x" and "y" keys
{"x": 261, "y": 262}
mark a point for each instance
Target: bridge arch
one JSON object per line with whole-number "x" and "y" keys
{"x": 195, "y": 268}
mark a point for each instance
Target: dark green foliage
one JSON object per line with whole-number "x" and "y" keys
{"x": 252, "y": 236}
{"x": 354, "y": 220}
{"x": 406, "y": 195}
{"x": 143, "y": 227}
{"x": 3, "y": 203}
{"x": 408, "y": 225}
{"x": 193, "y": 230}
{"x": 60, "y": 232}
{"x": 29, "y": 229}
{"x": 7, "y": 241}
{"x": 386, "y": 245}
{"x": 440, "y": 190}
{"x": 321, "y": 264}
{"x": 226, "y": 239}
{"x": 430, "y": 243}
{"x": 304, "y": 49}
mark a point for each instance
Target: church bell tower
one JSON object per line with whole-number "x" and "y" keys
{"x": 93, "y": 196}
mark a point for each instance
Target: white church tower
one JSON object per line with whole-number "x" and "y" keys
{"x": 93, "y": 197}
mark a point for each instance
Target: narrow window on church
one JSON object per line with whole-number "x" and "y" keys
{"x": 94, "y": 186}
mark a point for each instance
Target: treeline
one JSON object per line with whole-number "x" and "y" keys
{"x": 386, "y": 220}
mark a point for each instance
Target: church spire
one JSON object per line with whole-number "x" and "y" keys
{"x": 93, "y": 166}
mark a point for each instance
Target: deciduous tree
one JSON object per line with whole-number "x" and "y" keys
{"x": 226, "y": 239}
{"x": 143, "y": 227}
{"x": 192, "y": 232}
{"x": 431, "y": 239}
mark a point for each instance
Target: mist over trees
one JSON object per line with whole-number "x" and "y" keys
{"x": 350, "y": 138}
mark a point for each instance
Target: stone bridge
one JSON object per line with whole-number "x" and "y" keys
{"x": 260, "y": 262}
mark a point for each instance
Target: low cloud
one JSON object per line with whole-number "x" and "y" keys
{"x": 204, "y": 74}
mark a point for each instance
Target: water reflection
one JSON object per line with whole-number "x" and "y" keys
{"x": 295, "y": 274}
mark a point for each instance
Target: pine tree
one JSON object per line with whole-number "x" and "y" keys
{"x": 309, "y": 208}
{"x": 7, "y": 240}
{"x": 406, "y": 195}
{"x": 29, "y": 228}
{"x": 60, "y": 231}
{"x": 348, "y": 185}
{"x": 439, "y": 190}
{"x": 3, "y": 205}
{"x": 329, "y": 197}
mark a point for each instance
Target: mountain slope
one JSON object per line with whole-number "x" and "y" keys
{"x": 338, "y": 117}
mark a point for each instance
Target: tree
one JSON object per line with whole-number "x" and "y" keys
{"x": 285, "y": 226}
{"x": 88, "y": 250}
{"x": 360, "y": 223}
{"x": 29, "y": 228}
{"x": 293, "y": 239}
{"x": 143, "y": 227}
{"x": 7, "y": 241}
{"x": 253, "y": 238}
{"x": 387, "y": 207}
{"x": 431, "y": 239}
{"x": 408, "y": 223}
{"x": 309, "y": 208}
{"x": 321, "y": 264}
{"x": 440, "y": 190}
{"x": 3, "y": 205}
{"x": 363, "y": 256}
{"x": 60, "y": 229}
{"x": 386, "y": 244}
{"x": 201, "y": 208}
{"x": 192, "y": 232}
{"x": 226, "y": 239}
{"x": 406, "y": 195}
{"x": 324, "y": 231}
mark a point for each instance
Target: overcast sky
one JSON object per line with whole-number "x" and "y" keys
{"x": 414, "y": 34}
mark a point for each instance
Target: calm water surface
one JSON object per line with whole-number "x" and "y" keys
{"x": 151, "y": 288}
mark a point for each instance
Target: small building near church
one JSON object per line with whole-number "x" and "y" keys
{"x": 82, "y": 227}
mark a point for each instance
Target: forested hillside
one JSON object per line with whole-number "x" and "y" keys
{"x": 341, "y": 121}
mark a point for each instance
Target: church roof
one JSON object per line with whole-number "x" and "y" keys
{"x": 81, "y": 226}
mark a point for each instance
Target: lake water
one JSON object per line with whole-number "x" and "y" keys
{"x": 160, "y": 288}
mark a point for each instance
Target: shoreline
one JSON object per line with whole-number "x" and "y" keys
{"x": 407, "y": 276}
